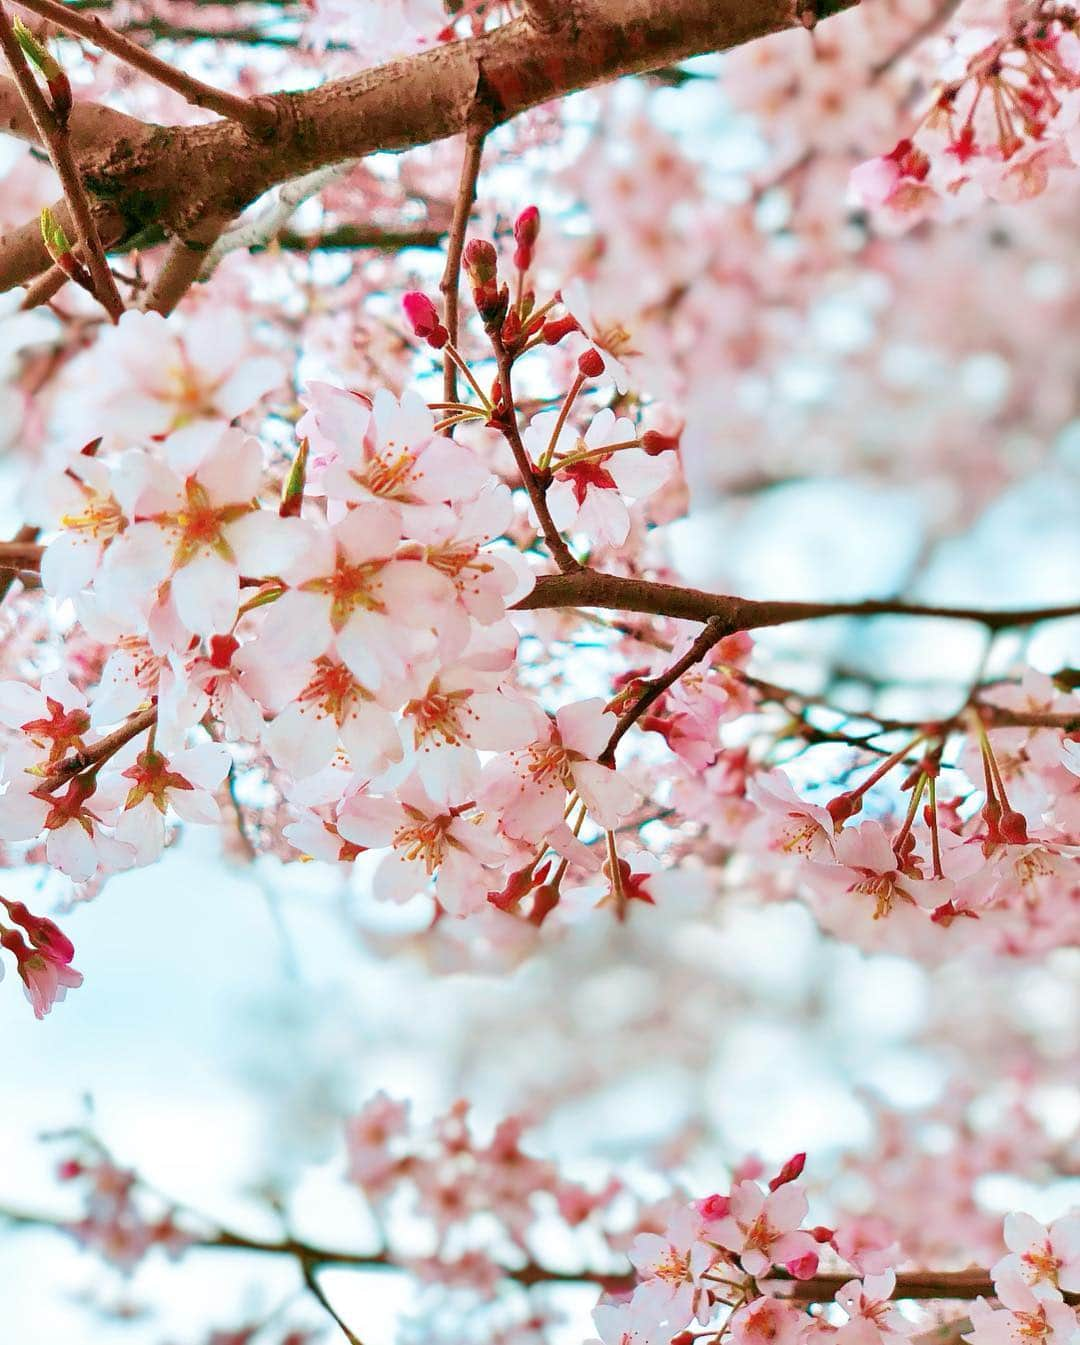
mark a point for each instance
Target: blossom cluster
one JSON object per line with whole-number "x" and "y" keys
{"x": 341, "y": 623}
{"x": 1003, "y": 119}
{"x": 744, "y": 1265}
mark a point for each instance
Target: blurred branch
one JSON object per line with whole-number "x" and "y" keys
{"x": 257, "y": 116}
{"x": 353, "y": 236}
{"x": 183, "y": 262}
{"x": 921, "y": 1285}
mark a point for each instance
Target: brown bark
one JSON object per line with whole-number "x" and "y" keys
{"x": 591, "y": 588}
{"x": 175, "y": 176}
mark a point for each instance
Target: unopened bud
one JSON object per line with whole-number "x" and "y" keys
{"x": 40, "y": 56}
{"x": 53, "y": 236}
{"x": 292, "y": 488}
{"x": 823, "y": 1234}
{"x": 590, "y": 363}
{"x": 526, "y": 232}
{"x": 480, "y": 261}
{"x": 423, "y": 317}
{"x": 791, "y": 1170}
{"x": 714, "y": 1207}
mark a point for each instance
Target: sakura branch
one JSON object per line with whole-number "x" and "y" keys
{"x": 734, "y": 1263}
{"x": 50, "y": 123}
{"x": 256, "y": 116}
{"x": 216, "y": 171}
{"x": 588, "y": 588}
{"x": 450, "y": 283}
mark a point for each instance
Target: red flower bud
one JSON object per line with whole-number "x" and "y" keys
{"x": 654, "y": 443}
{"x": 557, "y": 328}
{"x": 480, "y": 261}
{"x": 423, "y": 317}
{"x": 591, "y": 363}
{"x": 791, "y": 1170}
{"x": 526, "y": 232}
{"x": 714, "y": 1207}
{"x": 823, "y": 1234}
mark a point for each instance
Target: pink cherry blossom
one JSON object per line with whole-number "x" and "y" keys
{"x": 762, "y": 1229}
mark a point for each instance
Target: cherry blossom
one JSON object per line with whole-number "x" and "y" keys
{"x": 1047, "y": 1260}
{"x": 762, "y": 1229}
{"x": 671, "y": 1266}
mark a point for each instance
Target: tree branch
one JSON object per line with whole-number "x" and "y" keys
{"x": 712, "y": 633}
{"x": 922, "y": 1285}
{"x": 90, "y": 125}
{"x": 182, "y": 265}
{"x": 451, "y": 276}
{"x": 560, "y": 552}
{"x": 590, "y": 588}
{"x": 100, "y": 751}
{"x": 55, "y": 138}
{"x": 257, "y": 117}
{"x": 177, "y": 175}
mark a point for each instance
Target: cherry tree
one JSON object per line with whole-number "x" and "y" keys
{"x": 408, "y": 411}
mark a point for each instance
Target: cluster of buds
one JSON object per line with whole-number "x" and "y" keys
{"x": 38, "y": 55}
{"x": 44, "y": 964}
{"x": 481, "y": 266}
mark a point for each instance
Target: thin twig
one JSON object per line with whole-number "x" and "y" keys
{"x": 922, "y": 1285}
{"x": 258, "y": 117}
{"x": 101, "y": 751}
{"x": 23, "y": 539}
{"x": 57, "y": 141}
{"x": 507, "y": 423}
{"x": 312, "y": 1281}
{"x": 711, "y": 633}
{"x": 450, "y": 283}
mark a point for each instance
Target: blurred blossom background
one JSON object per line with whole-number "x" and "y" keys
{"x": 852, "y": 432}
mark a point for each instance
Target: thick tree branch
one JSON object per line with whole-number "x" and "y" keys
{"x": 590, "y": 588}
{"x": 175, "y": 176}
{"x": 90, "y": 125}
